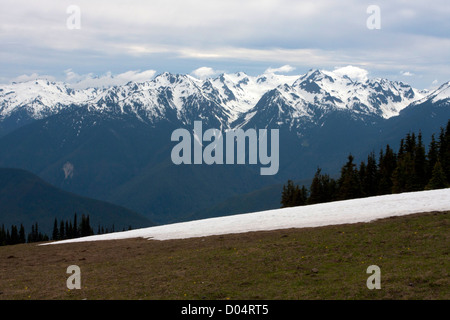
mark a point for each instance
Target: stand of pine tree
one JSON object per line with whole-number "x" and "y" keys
{"x": 66, "y": 230}
{"x": 16, "y": 236}
{"x": 410, "y": 169}
{"x": 69, "y": 230}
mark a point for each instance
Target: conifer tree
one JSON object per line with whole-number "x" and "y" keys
{"x": 363, "y": 179}
{"x": 31, "y": 234}
{"x": 90, "y": 232}
{"x": 67, "y": 230}
{"x": 420, "y": 178}
{"x": 35, "y": 235}
{"x": 316, "y": 192}
{"x": 410, "y": 143}
{"x": 444, "y": 150}
{"x": 14, "y": 235}
{"x": 322, "y": 189}
{"x": 75, "y": 226}
{"x": 438, "y": 179}
{"x": 432, "y": 157}
{"x": 386, "y": 166}
{"x": 330, "y": 188}
{"x": 85, "y": 228}
{"x": 401, "y": 150}
{"x": 22, "y": 234}
{"x": 55, "y": 233}
{"x": 287, "y": 196}
{"x": 2, "y": 236}
{"x": 302, "y": 198}
{"x": 62, "y": 231}
{"x": 371, "y": 180}
{"x": 403, "y": 175}
{"x": 349, "y": 184}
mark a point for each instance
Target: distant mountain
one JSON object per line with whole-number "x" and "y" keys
{"x": 228, "y": 100}
{"x": 318, "y": 93}
{"x": 114, "y": 144}
{"x": 26, "y": 199}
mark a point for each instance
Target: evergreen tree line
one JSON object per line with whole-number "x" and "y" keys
{"x": 68, "y": 229}
{"x": 17, "y": 235}
{"x": 410, "y": 169}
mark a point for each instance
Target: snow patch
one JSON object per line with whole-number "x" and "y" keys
{"x": 332, "y": 213}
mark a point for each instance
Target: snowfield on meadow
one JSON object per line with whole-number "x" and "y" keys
{"x": 331, "y": 213}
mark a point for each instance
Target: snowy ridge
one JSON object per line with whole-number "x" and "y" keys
{"x": 440, "y": 94}
{"x": 329, "y": 92}
{"x": 228, "y": 97}
{"x": 40, "y": 98}
{"x": 332, "y": 213}
{"x": 238, "y": 93}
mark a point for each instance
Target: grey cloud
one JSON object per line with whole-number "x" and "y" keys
{"x": 413, "y": 35}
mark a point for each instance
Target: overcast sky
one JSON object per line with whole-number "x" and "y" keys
{"x": 134, "y": 40}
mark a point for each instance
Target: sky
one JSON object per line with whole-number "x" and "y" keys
{"x": 108, "y": 42}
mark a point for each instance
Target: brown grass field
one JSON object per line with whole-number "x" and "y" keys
{"x": 293, "y": 264}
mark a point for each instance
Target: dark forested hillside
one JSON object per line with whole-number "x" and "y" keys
{"x": 26, "y": 199}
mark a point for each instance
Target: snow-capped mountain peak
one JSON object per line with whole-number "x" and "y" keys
{"x": 441, "y": 93}
{"x": 375, "y": 96}
{"x": 40, "y": 98}
{"x": 227, "y": 97}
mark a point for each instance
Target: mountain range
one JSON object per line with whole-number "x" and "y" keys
{"x": 231, "y": 99}
{"x": 114, "y": 144}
